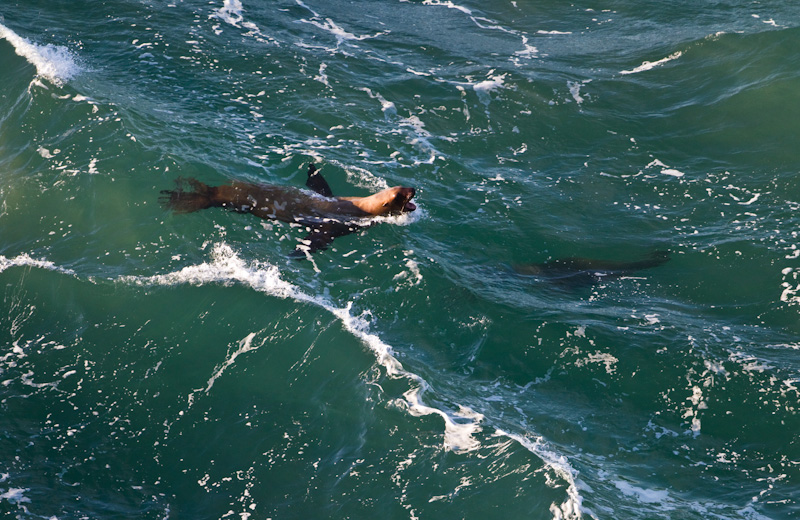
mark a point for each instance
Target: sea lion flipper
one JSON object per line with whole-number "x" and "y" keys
{"x": 317, "y": 183}
{"x": 321, "y": 236}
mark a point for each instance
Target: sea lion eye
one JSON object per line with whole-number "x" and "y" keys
{"x": 396, "y": 199}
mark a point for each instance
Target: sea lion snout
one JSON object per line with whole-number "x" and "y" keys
{"x": 404, "y": 199}
{"x": 399, "y": 200}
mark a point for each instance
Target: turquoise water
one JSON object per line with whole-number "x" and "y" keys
{"x": 158, "y": 365}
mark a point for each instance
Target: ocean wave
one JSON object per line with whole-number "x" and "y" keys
{"x": 226, "y": 267}
{"x": 461, "y": 425}
{"x": 55, "y": 63}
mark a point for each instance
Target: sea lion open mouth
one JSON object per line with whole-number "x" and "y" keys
{"x": 407, "y": 204}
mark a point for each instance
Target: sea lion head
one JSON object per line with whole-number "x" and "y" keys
{"x": 391, "y": 201}
{"x": 398, "y": 200}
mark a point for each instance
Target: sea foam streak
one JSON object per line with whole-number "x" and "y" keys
{"x": 647, "y": 65}
{"x": 25, "y": 260}
{"x": 226, "y": 267}
{"x": 53, "y": 62}
{"x": 572, "y": 508}
{"x": 232, "y": 13}
{"x": 330, "y": 26}
{"x": 528, "y": 51}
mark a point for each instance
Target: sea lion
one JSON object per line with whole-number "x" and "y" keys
{"x": 576, "y": 271}
{"x": 326, "y": 216}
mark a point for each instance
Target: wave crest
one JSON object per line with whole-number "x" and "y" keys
{"x": 53, "y": 62}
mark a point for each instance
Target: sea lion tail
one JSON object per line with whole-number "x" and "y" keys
{"x": 200, "y": 196}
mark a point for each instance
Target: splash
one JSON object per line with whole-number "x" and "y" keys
{"x": 53, "y": 62}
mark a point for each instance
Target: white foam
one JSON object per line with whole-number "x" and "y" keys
{"x": 647, "y": 65}
{"x": 484, "y": 88}
{"x": 417, "y": 135}
{"x": 361, "y": 177}
{"x": 572, "y": 507}
{"x": 672, "y": 172}
{"x": 93, "y": 166}
{"x": 245, "y": 345}
{"x": 25, "y": 260}
{"x": 790, "y": 294}
{"x": 52, "y": 62}
{"x": 420, "y": 138}
{"x": 337, "y": 31}
{"x": 575, "y": 90}
{"x": 232, "y": 13}
{"x": 600, "y": 358}
{"x": 404, "y": 219}
{"x": 449, "y": 5}
{"x": 15, "y": 495}
{"x": 665, "y": 170}
{"x": 645, "y": 496}
{"x": 529, "y": 52}
{"x": 459, "y": 427}
{"x": 322, "y": 78}
{"x": 389, "y": 109}
{"x": 411, "y": 277}
{"x": 47, "y": 154}
{"x": 227, "y": 268}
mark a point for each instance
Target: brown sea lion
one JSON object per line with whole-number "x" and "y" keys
{"x": 326, "y": 216}
{"x": 576, "y": 271}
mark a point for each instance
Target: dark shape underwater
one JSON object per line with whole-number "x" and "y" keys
{"x": 579, "y": 271}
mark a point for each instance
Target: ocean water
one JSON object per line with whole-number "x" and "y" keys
{"x": 168, "y": 366}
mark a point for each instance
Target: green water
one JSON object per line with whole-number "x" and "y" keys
{"x": 159, "y": 365}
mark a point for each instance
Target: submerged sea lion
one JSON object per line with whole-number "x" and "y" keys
{"x": 326, "y": 216}
{"x": 584, "y": 271}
